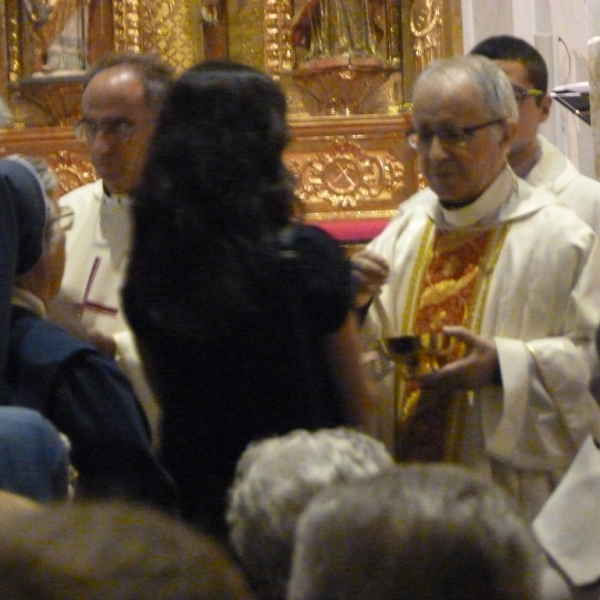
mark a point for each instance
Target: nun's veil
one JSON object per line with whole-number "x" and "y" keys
{"x": 22, "y": 222}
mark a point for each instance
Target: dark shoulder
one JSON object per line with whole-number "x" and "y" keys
{"x": 39, "y": 345}
{"x": 324, "y": 276}
{"x": 42, "y": 335}
{"x": 314, "y": 244}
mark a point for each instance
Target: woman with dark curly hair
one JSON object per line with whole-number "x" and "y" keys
{"x": 243, "y": 317}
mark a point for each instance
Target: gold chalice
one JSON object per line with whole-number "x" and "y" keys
{"x": 417, "y": 355}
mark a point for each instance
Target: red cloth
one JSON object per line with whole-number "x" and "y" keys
{"x": 353, "y": 230}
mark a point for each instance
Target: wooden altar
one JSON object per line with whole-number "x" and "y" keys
{"x": 353, "y": 168}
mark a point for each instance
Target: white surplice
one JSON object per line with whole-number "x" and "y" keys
{"x": 97, "y": 254}
{"x": 568, "y": 527}
{"x": 555, "y": 172}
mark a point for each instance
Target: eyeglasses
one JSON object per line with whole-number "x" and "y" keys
{"x": 448, "y": 136}
{"x": 521, "y": 94}
{"x": 65, "y": 218}
{"x": 87, "y": 130}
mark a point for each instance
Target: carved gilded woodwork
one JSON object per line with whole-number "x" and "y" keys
{"x": 279, "y": 52}
{"x": 342, "y": 86}
{"x": 73, "y": 170}
{"x": 352, "y": 168}
{"x": 259, "y": 34}
{"x": 58, "y": 99}
{"x": 426, "y": 26}
{"x": 254, "y": 33}
{"x": 14, "y": 39}
{"x": 66, "y": 155}
{"x": 349, "y": 167}
{"x": 344, "y": 176}
{"x": 167, "y": 28}
{"x": 307, "y": 94}
{"x": 281, "y": 56}
{"x": 37, "y": 98}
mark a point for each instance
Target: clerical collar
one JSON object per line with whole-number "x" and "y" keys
{"x": 26, "y": 299}
{"x": 485, "y": 209}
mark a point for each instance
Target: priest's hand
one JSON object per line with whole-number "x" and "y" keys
{"x": 478, "y": 366}
{"x": 369, "y": 273}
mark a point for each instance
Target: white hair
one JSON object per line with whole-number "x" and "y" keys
{"x": 495, "y": 87}
{"x": 275, "y": 479}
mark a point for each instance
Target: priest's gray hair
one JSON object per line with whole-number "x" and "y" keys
{"x": 495, "y": 87}
{"x": 275, "y": 479}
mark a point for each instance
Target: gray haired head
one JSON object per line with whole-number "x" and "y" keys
{"x": 418, "y": 532}
{"x": 275, "y": 479}
{"x": 493, "y": 84}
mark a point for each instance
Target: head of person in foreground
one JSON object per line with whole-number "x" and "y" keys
{"x": 111, "y": 551}
{"x": 421, "y": 532}
{"x": 275, "y": 479}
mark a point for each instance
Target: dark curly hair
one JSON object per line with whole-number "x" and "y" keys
{"x": 213, "y": 195}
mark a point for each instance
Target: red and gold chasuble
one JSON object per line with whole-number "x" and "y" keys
{"x": 450, "y": 280}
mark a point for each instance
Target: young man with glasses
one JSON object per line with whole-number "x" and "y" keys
{"x": 122, "y": 95}
{"x": 532, "y": 156}
{"x": 508, "y": 274}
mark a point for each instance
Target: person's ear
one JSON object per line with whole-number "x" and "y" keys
{"x": 544, "y": 108}
{"x": 510, "y": 131}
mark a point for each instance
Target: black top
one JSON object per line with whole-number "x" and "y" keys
{"x": 266, "y": 378}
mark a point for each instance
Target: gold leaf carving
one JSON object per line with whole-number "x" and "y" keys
{"x": 167, "y": 30}
{"x": 72, "y": 169}
{"x": 345, "y": 176}
{"x": 426, "y": 25}
{"x": 279, "y": 53}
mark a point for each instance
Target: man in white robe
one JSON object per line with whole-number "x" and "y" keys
{"x": 557, "y": 173}
{"x": 568, "y": 528}
{"x": 507, "y": 271}
{"x": 121, "y": 100}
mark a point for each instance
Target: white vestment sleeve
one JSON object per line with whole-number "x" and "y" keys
{"x": 568, "y": 526}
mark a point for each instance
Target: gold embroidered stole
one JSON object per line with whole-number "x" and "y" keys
{"x": 450, "y": 282}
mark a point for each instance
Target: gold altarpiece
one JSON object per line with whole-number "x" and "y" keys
{"x": 353, "y": 166}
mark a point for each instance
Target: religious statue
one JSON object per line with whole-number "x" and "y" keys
{"x": 339, "y": 29}
{"x": 59, "y": 34}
